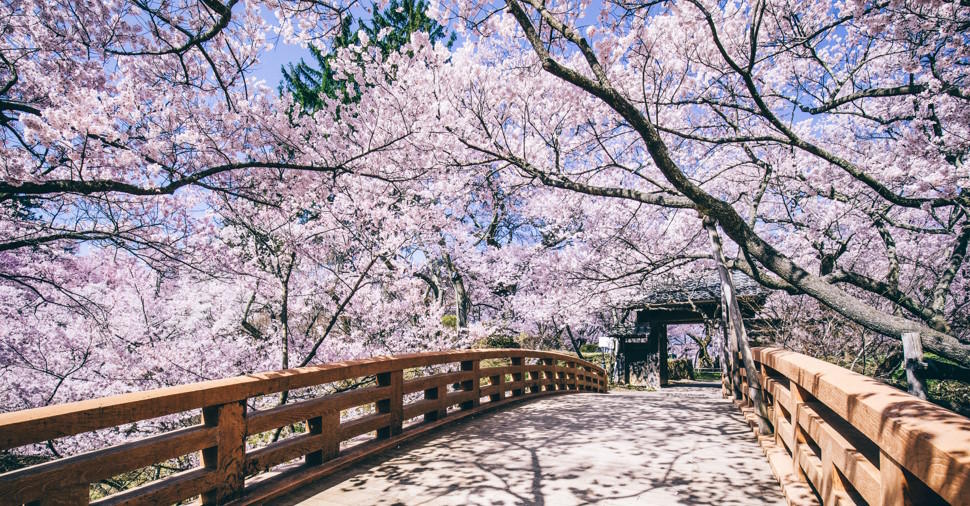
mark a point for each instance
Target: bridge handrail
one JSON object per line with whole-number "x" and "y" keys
{"x": 852, "y": 436}
{"x": 221, "y": 436}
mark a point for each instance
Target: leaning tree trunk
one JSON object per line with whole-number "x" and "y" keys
{"x": 731, "y": 378}
{"x": 462, "y": 300}
{"x": 736, "y": 326}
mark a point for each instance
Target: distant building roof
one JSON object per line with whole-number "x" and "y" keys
{"x": 697, "y": 289}
{"x": 691, "y": 300}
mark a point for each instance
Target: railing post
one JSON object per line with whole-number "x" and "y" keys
{"x": 440, "y": 412}
{"x": 498, "y": 380}
{"x": 899, "y": 487}
{"x": 327, "y": 424}
{"x": 534, "y": 377}
{"x": 228, "y": 457}
{"x": 393, "y": 405}
{"x": 549, "y": 373}
{"x": 517, "y": 376}
{"x": 571, "y": 383}
{"x": 833, "y": 485}
{"x": 799, "y": 397}
{"x": 472, "y": 385}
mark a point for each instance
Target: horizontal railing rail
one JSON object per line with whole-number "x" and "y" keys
{"x": 845, "y": 438}
{"x": 227, "y": 467}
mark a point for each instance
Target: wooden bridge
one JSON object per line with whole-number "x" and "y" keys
{"x": 838, "y": 438}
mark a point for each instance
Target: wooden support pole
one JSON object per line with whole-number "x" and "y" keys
{"x": 736, "y": 325}
{"x": 913, "y": 362}
{"x": 731, "y": 378}
{"x": 228, "y": 457}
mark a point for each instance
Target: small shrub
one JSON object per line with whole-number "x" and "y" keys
{"x": 680, "y": 368}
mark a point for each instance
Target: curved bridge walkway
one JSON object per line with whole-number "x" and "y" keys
{"x": 683, "y": 445}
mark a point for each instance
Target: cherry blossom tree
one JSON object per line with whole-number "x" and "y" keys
{"x": 827, "y": 140}
{"x": 165, "y": 217}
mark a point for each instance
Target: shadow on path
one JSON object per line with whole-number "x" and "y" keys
{"x": 683, "y": 445}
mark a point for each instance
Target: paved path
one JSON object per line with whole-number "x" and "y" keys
{"x": 683, "y": 445}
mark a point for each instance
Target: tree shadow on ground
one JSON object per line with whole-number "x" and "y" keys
{"x": 678, "y": 446}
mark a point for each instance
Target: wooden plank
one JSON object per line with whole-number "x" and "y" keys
{"x": 496, "y": 371}
{"x": 460, "y": 397}
{"x": 363, "y": 425}
{"x": 293, "y": 447}
{"x": 793, "y": 485}
{"x": 170, "y": 490}
{"x": 34, "y": 482}
{"x": 281, "y": 416}
{"x": 50, "y": 422}
{"x": 421, "y": 407}
{"x": 797, "y": 492}
{"x": 785, "y": 433}
{"x": 490, "y": 390}
{"x": 65, "y": 495}
{"x": 427, "y": 382}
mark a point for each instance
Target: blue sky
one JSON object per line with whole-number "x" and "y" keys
{"x": 272, "y": 62}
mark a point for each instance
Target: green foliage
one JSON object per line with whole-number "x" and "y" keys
{"x": 312, "y": 83}
{"x": 589, "y": 348}
{"x": 449, "y": 321}
{"x": 680, "y": 368}
{"x": 499, "y": 341}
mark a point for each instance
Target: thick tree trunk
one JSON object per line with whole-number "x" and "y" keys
{"x": 462, "y": 301}
{"x": 572, "y": 340}
{"x": 736, "y": 326}
{"x": 731, "y": 379}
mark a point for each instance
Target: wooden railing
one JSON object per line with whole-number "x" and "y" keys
{"x": 226, "y": 424}
{"x": 844, "y": 438}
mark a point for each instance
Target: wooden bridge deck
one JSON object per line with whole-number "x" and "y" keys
{"x": 683, "y": 445}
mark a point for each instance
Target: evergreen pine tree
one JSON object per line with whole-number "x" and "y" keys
{"x": 312, "y": 82}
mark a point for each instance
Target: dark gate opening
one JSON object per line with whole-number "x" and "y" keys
{"x": 642, "y": 345}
